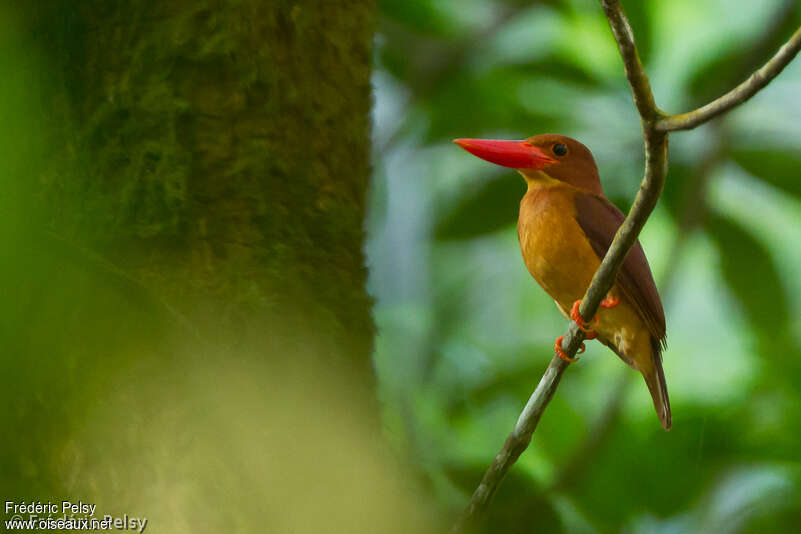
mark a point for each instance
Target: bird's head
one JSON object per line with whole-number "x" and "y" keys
{"x": 541, "y": 158}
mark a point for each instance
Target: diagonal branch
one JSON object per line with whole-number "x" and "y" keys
{"x": 635, "y": 73}
{"x": 655, "y": 127}
{"x": 693, "y": 207}
{"x": 516, "y": 442}
{"x": 759, "y": 79}
{"x": 650, "y": 189}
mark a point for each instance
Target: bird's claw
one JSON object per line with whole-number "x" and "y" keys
{"x": 586, "y": 326}
{"x": 557, "y": 347}
{"x": 583, "y": 325}
{"x": 610, "y": 302}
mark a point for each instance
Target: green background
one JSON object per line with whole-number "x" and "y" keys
{"x": 465, "y": 333}
{"x": 200, "y": 395}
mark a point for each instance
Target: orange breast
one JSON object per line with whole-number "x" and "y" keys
{"x": 560, "y": 258}
{"x": 555, "y": 249}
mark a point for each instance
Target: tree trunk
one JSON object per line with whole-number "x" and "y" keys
{"x": 217, "y": 152}
{"x": 184, "y": 321}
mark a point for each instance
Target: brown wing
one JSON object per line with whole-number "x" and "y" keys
{"x": 600, "y": 219}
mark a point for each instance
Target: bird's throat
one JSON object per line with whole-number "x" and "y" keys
{"x": 538, "y": 179}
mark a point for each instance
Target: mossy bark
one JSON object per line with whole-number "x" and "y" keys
{"x": 218, "y": 153}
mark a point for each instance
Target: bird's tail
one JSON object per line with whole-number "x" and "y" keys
{"x": 655, "y": 380}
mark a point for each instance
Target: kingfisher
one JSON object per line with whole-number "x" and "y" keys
{"x": 565, "y": 227}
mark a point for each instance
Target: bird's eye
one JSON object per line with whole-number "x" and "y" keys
{"x": 559, "y": 149}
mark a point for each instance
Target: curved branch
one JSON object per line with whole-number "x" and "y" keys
{"x": 655, "y": 161}
{"x": 693, "y": 207}
{"x": 654, "y": 179}
{"x": 655, "y": 128}
{"x": 635, "y": 73}
{"x": 759, "y": 79}
{"x": 516, "y": 442}
{"x": 650, "y": 189}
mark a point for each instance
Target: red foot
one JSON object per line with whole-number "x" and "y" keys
{"x": 583, "y": 325}
{"x": 610, "y": 302}
{"x": 557, "y": 347}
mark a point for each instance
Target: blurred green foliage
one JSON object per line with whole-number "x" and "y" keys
{"x": 112, "y": 396}
{"x": 232, "y": 407}
{"x": 464, "y": 333}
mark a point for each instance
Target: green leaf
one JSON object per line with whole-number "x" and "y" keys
{"x": 717, "y": 75}
{"x": 470, "y": 102}
{"x": 675, "y": 188}
{"x": 780, "y": 168}
{"x": 519, "y": 504}
{"x": 422, "y": 16}
{"x": 731, "y": 66}
{"x": 751, "y": 498}
{"x": 393, "y": 60}
{"x": 637, "y": 466}
{"x": 491, "y": 207}
{"x": 751, "y": 274}
{"x": 559, "y": 67}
